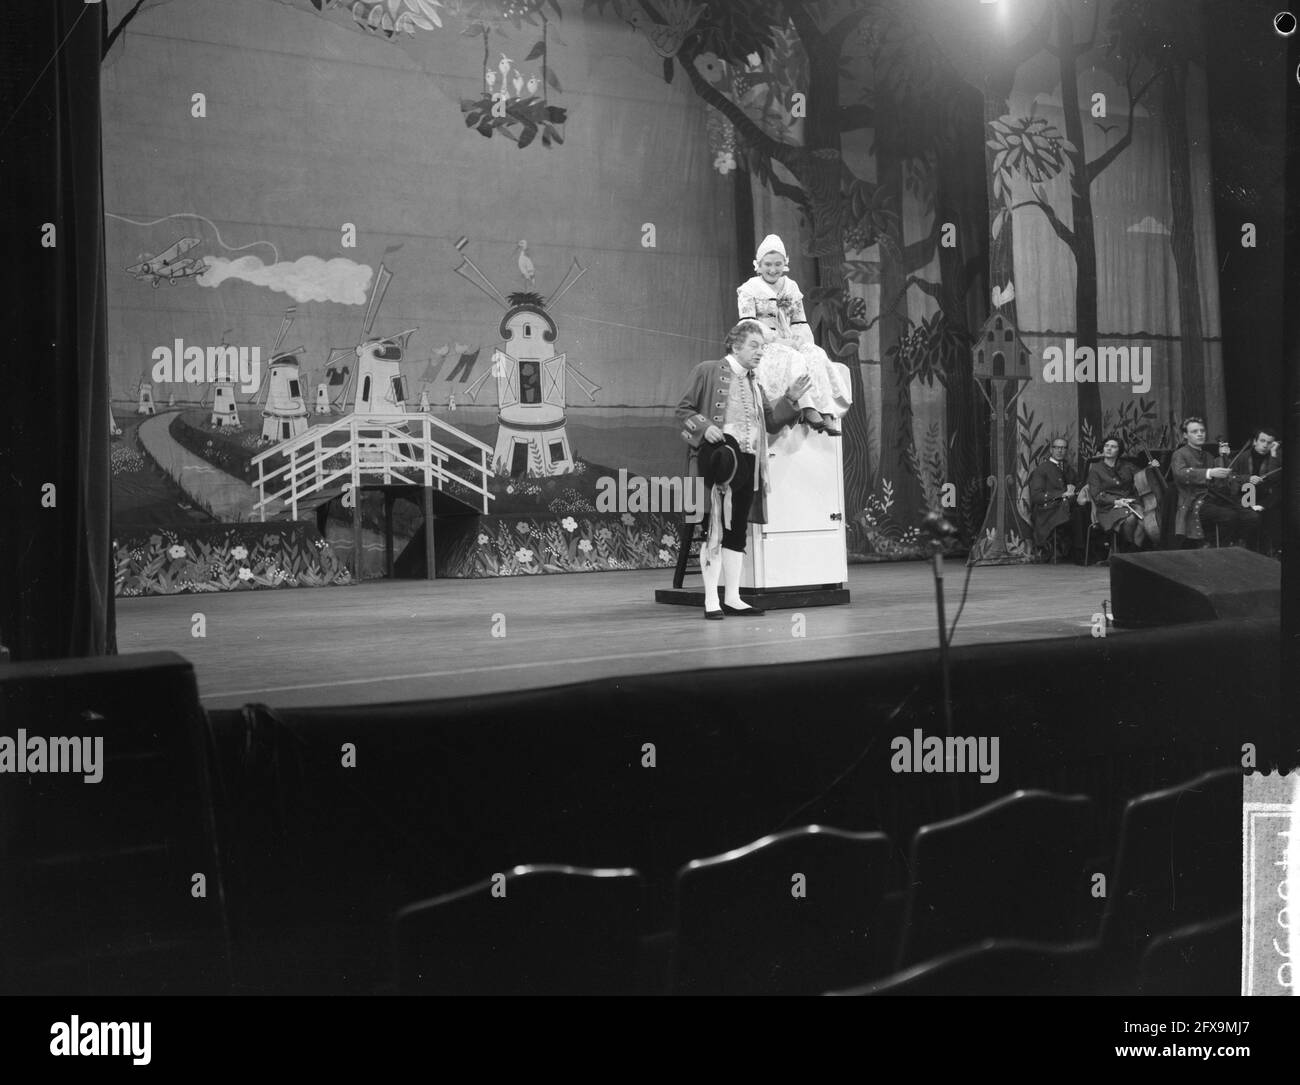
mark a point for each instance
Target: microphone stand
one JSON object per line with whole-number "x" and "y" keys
{"x": 936, "y": 557}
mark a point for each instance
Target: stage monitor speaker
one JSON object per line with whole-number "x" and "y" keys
{"x": 1193, "y": 586}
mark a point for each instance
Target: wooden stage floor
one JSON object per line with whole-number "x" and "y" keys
{"x": 387, "y": 641}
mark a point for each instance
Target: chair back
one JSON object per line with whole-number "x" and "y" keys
{"x": 1200, "y": 959}
{"x": 1018, "y": 868}
{"x": 1178, "y": 861}
{"x": 793, "y": 913}
{"x": 532, "y": 930}
{"x": 996, "y": 968}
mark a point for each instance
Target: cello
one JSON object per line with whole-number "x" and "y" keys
{"x": 1150, "y": 485}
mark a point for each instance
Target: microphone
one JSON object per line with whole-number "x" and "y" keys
{"x": 937, "y": 526}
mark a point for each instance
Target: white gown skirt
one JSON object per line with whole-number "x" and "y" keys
{"x": 784, "y": 362}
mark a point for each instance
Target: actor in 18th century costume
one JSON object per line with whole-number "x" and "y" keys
{"x": 773, "y": 298}
{"x": 727, "y": 417}
{"x": 1209, "y": 493}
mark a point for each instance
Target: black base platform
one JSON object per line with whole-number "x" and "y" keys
{"x": 767, "y": 598}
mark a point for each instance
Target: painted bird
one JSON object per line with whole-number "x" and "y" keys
{"x": 526, "y": 268}
{"x": 534, "y": 84}
{"x": 503, "y": 66}
{"x": 490, "y": 78}
{"x": 517, "y": 81}
{"x": 666, "y": 37}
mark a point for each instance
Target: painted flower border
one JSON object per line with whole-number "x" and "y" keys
{"x": 572, "y": 543}
{"x": 227, "y": 557}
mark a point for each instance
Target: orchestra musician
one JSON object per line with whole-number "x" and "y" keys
{"x": 1209, "y": 492}
{"x": 1260, "y": 462}
{"x": 1056, "y": 516}
{"x": 1111, "y": 488}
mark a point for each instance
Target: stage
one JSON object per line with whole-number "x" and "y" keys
{"x": 403, "y": 640}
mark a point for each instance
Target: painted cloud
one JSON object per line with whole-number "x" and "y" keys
{"x": 309, "y": 278}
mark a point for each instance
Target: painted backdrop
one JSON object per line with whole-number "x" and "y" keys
{"x": 319, "y": 187}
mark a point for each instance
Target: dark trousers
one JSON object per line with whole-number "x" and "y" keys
{"x": 1068, "y": 536}
{"x": 742, "y": 500}
{"x": 1232, "y": 522}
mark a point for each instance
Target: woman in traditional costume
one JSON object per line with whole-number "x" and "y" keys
{"x": 773, "y": 298}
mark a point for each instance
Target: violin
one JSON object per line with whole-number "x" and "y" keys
{"x": 1266, "y": 495}
{"x": 1221, "y": 489}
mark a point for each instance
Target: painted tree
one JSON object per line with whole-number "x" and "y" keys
{"x": 846, "y": 214}
{"x": 925, "y": 141}
{"x": 1079, "y": 238}
{"x": 1166, "y": 37}
{"x": 812, "y": 172}
{"x": 979, "y": 56}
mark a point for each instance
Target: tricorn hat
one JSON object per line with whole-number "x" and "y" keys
{"x": 719, "y": 462}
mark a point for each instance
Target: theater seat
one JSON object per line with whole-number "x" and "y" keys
{"x": 996, "y": 968}
{"x": 1178, "y": 862}
{"x": 1018, "y": 868}
{"x": 1201, "y": 959}
{"x": 788, "y": 914}
{"x": 532, "y": 930}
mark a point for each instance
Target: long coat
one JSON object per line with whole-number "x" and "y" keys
{"x": 1106, "y": 486}
{"x": 705, "y": 404}
{"x": 1047, "y": 483}
{"x": 1188, "y": 468}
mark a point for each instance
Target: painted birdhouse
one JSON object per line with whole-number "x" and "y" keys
{"x": 225, "y": 415}
{"x": 285, "y": 413}
{"x": 322, "y": 398}
{"x": 998, "y": 351}
{"x": 145, "y": 406}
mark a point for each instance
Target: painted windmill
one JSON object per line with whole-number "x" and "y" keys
{"x": 531, "y": 437}
{"x": 144, "y": 401}
{"x": 284, "y": 412}
{"x": 225, "y": 411}
{"x": 377, "y": 385}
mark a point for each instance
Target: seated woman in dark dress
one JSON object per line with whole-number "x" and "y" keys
{"x": 1110, "y": 487}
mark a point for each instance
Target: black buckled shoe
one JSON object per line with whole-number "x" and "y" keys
{"x": 744, "y": 612}
{"x": 714, "y": 615}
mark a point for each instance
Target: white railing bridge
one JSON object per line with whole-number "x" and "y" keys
{"x": 404, "y": 451}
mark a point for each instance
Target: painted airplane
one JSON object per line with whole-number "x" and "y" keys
{"x": 169, "y": 264}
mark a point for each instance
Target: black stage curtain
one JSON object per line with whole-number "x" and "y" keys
{"x": 1291, "y": 369}
{"x": 56, "y": 587}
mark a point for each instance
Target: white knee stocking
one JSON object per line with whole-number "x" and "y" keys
{"x": 732, "y": 560}
{"x": 712, "y": 571}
